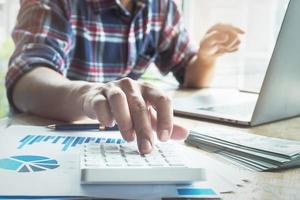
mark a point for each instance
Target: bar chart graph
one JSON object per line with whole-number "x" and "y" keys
{"x": 66, "y": 142}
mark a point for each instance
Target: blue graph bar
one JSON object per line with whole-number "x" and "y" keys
{"x": 35, "y": 139}
{"x": 40, "y": 138}
{"x": 28, "y": 137}
{"x": 195, "y": 191}
{"x": 47, "y": 138}
{"x": 113, "y": 141}
{"x": 99, "y": 140}
{"x": 25, "y": 141}
{"x": 81, "y": 140}
{"x": 89, "y": 139}
{"x": 75, "y": 142}
{"x": 67, "y": 142}
{"x": 120, "y": 141}
{"x": 57, "y": 138}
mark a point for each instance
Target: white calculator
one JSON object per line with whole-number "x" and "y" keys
{"x": 106, "y": 163}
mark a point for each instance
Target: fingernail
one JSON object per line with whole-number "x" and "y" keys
{"x": 131, "y": 137}
{"x": 164, "y": 135}
{"x": 145, "y": 146}
{"x": 112, "y": 124}
{"x": 101, "y": 127}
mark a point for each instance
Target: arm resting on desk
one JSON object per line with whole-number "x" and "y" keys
{"x": 47, "y": 93}
{"x": 56, "y": 97}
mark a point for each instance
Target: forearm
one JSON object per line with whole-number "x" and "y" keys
{"x": 198, "y": 73}
{"x": 126, "y": 102}
{"x": 46, "y": 93}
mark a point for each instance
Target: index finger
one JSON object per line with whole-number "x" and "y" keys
{"x": 139, "y": 115}
{"x": 238, "y": 30}
{"x": 226, "y": 27}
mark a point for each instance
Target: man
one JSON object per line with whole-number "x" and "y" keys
{"x": 76, "y": 59}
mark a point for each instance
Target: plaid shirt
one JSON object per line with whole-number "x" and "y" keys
{"x": 98, "y": 40}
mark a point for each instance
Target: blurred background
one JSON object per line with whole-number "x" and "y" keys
{"x": 8, "y": 13}
{"x": 260, "y": 19}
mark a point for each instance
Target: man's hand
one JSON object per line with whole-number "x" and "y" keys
{"x": 137, "y": 108}
{"x": 218, "y": 40}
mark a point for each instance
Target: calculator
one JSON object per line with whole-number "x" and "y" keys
{"x": 105, "y": 163}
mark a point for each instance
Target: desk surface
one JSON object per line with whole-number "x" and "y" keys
{"x": 260, "y": 185}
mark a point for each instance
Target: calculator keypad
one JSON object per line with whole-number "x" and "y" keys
{"x": 127, "y": 155}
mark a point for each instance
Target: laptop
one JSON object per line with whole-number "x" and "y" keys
{"x": 279, "y": 97}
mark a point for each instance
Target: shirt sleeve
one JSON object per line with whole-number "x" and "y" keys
{"x": 42, "y": 37}
{"x": 174, "y": 49}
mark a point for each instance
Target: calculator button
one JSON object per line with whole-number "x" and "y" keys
{"x": 111, "y": 148}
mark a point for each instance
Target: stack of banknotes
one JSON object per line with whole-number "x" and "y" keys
{"x": 251, "y": 151}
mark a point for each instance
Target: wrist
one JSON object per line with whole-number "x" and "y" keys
{"x": 76, "y": 92}
{"x": 199, "y": 72}
{"x": 204, "y": 59}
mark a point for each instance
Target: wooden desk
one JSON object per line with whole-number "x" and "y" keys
{"x": 263, "y": 185}
{"x": 260, "y": 185}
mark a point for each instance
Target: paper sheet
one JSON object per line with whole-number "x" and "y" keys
{"x": 35, "y": 161}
